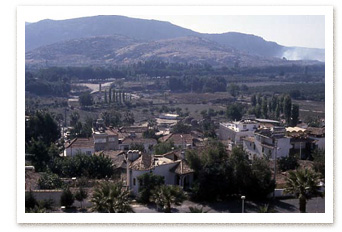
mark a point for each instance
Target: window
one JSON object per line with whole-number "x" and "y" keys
{"x": 134, "y": 181}
{"x": 88, "y": 152}
{"x": 254, "y": 146}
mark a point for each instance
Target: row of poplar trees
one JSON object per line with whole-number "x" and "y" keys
{"x": 275, "y": 107}
{"x": 113, "y": 96}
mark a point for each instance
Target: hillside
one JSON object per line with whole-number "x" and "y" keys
{"x": 119, "y": 50}
{"x": 43, "y": 38}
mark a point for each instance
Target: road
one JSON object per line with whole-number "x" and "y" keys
{"x": 315, "y": 205}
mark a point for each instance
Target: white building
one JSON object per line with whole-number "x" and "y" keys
{"x": 171, "y": 166}
{"x": 236, "y": 131}
{"x": 271, "y": 143}
{"x": 79, "y": 145}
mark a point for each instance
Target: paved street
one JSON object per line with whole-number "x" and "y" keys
{"x": 315, "y": 205}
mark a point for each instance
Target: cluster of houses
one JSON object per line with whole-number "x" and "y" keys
{"x": 119, "y": 144}
{"x": 258, "y": 137}
{"x": 266, "y": 138}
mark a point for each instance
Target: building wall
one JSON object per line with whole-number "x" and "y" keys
{"x": 74, "y": 151}
{"x": 320, "y": 142}
{"x": 256, "y": 149}
{"x": 162, "y": 170}
{"x": 54, "y": 195}
{"x": 104, "y": 142}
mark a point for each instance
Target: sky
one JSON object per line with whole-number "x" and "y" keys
{"x": 287, "y": 30}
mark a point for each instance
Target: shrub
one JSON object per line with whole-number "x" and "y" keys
{"x": 288, "y": 163}
{"x": 67, "y": 198}
{"x": 50, "y": 181}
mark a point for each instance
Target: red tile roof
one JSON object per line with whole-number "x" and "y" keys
{"x": 80, "y": 143}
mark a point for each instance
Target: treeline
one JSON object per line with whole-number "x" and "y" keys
{"x": 299, "y": 91}
{"x": 43, "y": 87}
{"x": 160, "y": 68}
{"x": 197, "y": 84}
{"x": 219, "y": 176}
{"x": 275, "y": 107}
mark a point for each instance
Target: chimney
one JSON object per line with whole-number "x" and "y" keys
{"x": 183, "y": 155}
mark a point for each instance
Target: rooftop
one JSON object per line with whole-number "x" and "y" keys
{"x": 80, "y": 143}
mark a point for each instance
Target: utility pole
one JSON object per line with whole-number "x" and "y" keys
{"x": 275, "y": 165}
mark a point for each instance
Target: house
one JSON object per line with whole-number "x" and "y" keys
{"x": 265, "y": 142}
{"x": 172, "y": 166}
{"x": 180, "y": 140}
{"x": 79, "y": 145}
{"x": 128, "y": 142}
{"x": 235, "y": 131}
{"x": 318, "y": 134}
{"x": 105, "y": 139}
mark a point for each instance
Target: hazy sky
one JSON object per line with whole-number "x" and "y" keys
{"x": 287, "y": 30}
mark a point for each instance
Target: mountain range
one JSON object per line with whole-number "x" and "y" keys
{"x": 113, "y": 40}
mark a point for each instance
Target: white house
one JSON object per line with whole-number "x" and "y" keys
{"x": 79, "y": 145}
{"x": 175, "y": 171}
{"x": 236, "y": 131}
{"x": 270, "y": 143}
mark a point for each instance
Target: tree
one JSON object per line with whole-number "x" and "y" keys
{"x": 30, "y": 200}
{"x": 166, "y": 195}
{"x": 303, "y": 183}
{"x": 234, "y": 112}
{"x": 81, "y": 195}
{"x": 86, "y": 99}
{"x": 41, "y": 126}
{"x": 181, "y": 128}
{"x": 105, "y": 97}
{"x": 50, "y": 181}
{"x": 111, "y": 198}
{"x": 233, "y": 89}
{"x": 67, "y": 198}
{"x": 288, "y": 163}
{"x": 319, "y": 161}
{"x": 147, "y": 183}
{"x": 294, "y": 115}
{"x": 264, "y": 107}
{"x": 253, "y": 100}
{"x": 74, "y": 117}
{"x": 287, "y": 109}
{"x": 164, "y": 147}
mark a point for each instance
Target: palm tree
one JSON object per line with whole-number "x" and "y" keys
{"x": 198, "y": 210}
{"x": 81, "y": 195}
{"x": 266, "y": 209}
{"x": 166, "y": 195}
{"x": 111, "y": 198}
{"x": 303, "y": 183}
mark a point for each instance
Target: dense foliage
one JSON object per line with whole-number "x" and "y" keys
{"x": 166, "y": 195}
{"x": 82, "y": 165}
{"x": 147, "y": 183}
{"x": 288, "y": 163}
{"x": 163, "y": 147}
{"x": 50, "y": 181}
{"x": 111, "y": 198}
{"x": 219, "y": 176}
{"x": 67, "y": 198}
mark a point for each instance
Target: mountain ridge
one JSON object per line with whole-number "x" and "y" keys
{"x": 48, "y": 32}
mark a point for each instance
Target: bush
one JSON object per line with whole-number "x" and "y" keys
{"x": 288, "y": 163}
{"x": 147, "y": 183}
{"x": 50, "y": 181}
{"x": 30, "y": 200}
{"x": 67, "y": 198}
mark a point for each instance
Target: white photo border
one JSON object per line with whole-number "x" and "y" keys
{"x": 327, "y": 217}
